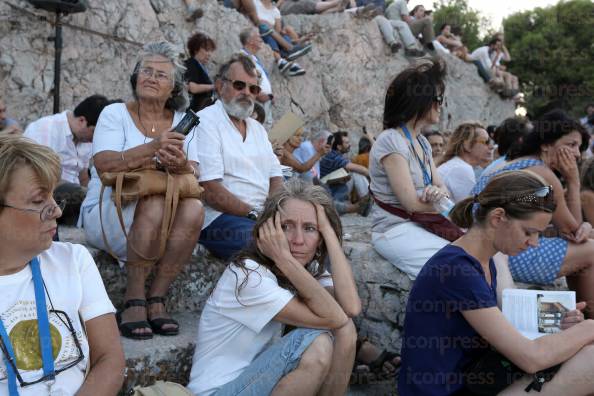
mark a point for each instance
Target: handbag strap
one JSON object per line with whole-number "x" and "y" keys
{"x": 170, "y": 209}
{"x": 390, "y": 208}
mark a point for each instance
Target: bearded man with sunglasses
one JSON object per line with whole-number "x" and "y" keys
{"x": 239, "y": 168}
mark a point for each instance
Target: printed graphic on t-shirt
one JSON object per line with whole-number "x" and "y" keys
{"x": 20, "y": 322}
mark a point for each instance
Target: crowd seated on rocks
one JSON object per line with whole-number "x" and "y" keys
{"x": 555, "y": 146}
{"x": 506, "y": 216}
{"x": 468, "y": 147}
{"x": 356, "y": 182}
{"x": 314, "y": 147}
{"x": 282, "y": 238}
{"x": 70, "y": 134}
{"x": 452, "y": 42}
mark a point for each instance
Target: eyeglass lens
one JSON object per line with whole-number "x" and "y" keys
{"x": 240, "y": 86}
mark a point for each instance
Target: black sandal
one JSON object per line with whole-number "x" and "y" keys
{"x": 157, "y": 324}
{"x": 369, "y": 373}
{"x": 127, "y": 329}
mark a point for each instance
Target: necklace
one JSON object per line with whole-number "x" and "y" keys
{"x": 144, "y": 129}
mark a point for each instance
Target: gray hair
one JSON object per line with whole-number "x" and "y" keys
{"x": 246, "y": 62}
{"x": 179, "y": 96}
{"x": 245, "y": 35}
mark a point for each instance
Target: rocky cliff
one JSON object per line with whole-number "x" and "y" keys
{"x": 347, "y": 71}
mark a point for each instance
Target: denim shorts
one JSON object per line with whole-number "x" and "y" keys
{"x": 275, "y": 362}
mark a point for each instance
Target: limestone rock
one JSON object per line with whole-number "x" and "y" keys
{"x": 347, "y": 71}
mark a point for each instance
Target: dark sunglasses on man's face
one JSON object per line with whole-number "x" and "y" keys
{"x": 239, "y": 85}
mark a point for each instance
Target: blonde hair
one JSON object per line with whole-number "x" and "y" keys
{"x": 465, "y": 131}
{"x": 18, "y": 151}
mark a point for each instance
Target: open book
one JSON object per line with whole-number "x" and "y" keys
{"x": 536, "y": 312}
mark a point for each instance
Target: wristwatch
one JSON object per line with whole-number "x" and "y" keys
{"x": 252, "y": 214}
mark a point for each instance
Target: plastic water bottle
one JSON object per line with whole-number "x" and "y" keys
{"x": 444, "y": 206}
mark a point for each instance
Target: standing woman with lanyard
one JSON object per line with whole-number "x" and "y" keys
{"x": 57, "y": 337}
{"x": 402, "y": 171}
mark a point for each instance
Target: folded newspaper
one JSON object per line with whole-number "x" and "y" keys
{"x": 340, "y": 175}
{"x": 536, "y": 313}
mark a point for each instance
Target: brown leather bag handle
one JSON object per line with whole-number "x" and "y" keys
{"x": 170, "y": 209}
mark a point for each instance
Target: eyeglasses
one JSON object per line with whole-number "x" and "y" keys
{"x": 438, "y": 99}
{"x": 540, "y": 193}
{"x": 46, "y": 213}
{"x": 486, "y": 142}
{"x": 239, "y": 85}
{"x": 62, "y": 317}
{"x": 160, "y": 76}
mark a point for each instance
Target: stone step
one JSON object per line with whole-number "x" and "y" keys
{"x": 162, "y": 358}
{"x": 170, "y": 359}
{"x": 187, "y": 293}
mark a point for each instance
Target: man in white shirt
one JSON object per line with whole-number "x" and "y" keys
{"x": 398, "y": 18}
{"x": 308, "y": 149}
{"x": 70, "y": 134}
{"x": 485, "y": 59}
{"x": 238, "y": 167}
{"x": 252, "y": 44}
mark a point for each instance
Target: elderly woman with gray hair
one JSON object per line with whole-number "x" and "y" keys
{"x": 128, "y": 136}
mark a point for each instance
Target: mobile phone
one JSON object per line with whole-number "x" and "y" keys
{"x": 187, "y": 123}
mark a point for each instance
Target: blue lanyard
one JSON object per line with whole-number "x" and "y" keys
{"x": 45, "y": 340}
{"x": 427, "y": 179}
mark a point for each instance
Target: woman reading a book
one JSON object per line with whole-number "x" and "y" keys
{"x": 469, "y": 346}
{"x": 552, "y": 150}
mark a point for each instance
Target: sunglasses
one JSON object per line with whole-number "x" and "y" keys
{"x": 438, "y": 99}
{"x": 239, "y": 85}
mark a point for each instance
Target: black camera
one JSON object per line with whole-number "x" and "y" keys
{"x": 189, "y": 122}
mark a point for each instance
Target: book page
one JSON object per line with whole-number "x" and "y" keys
{"x": 285, "y": 128}
{"x": 536, "y": 312}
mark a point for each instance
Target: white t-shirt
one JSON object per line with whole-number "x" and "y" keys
{"x": 54, "y": 132}
{"x": 74, "y": 285}
{"x": 235, "y": 327}
{"x": 268, "y": 15}
{"x": 396, "y": 10}
{"x": 243, "y": 167}
{"x": 303, "y": 153}
{"x": 116, "y": 131}
{"x": 482, "y": 55}
{"x": 458, "y": 176}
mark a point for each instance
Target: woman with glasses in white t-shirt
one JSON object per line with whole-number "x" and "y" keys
{"x": 47, "y": 329}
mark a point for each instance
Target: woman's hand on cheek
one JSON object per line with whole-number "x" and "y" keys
{"x": 272, "y": 240}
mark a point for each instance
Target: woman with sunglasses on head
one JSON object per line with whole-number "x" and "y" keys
{"x": 48, "y": 329}
{"x": 280, "y": 279}
{"x": 553, "y": 147}
{"x": 470, "y": 347}
{"x": 132, "y": 135}
{"x": 402, "y": 170}
{"x": 468, "y": 147}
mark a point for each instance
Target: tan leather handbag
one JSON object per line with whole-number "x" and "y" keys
{"x": 161, "y": 388}
{"x": 139, "y": 183}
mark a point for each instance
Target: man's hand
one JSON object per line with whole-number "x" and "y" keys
{"x": 573, "y": 317}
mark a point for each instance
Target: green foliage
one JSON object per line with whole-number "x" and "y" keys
{"x": 458, "y": 14}
{"x": 553, "y": 55}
